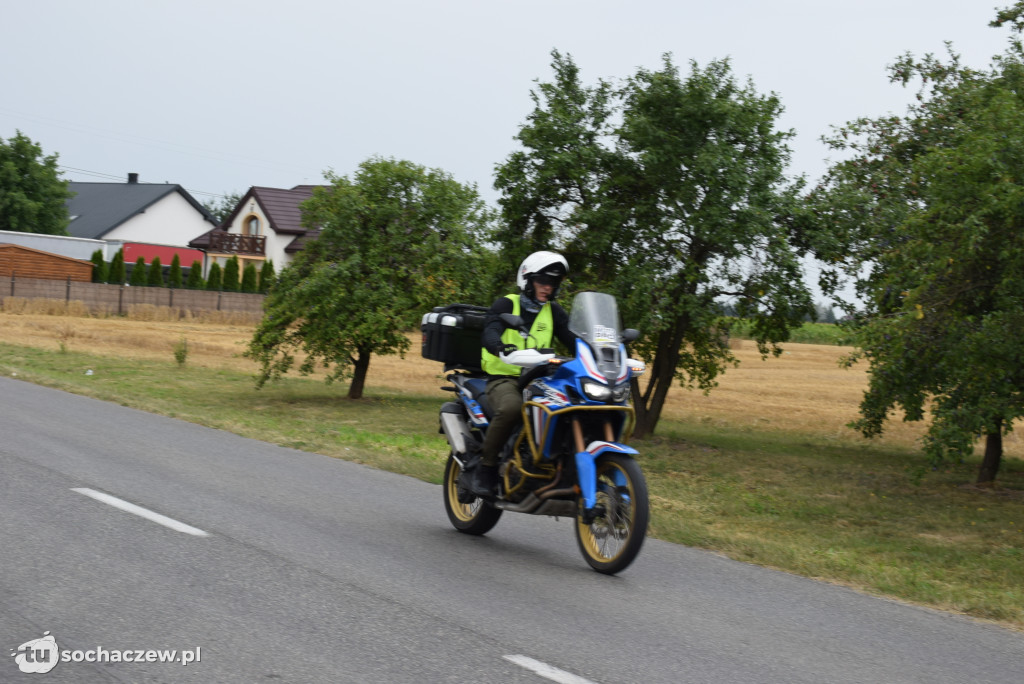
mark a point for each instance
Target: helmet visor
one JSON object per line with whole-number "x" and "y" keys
{"x": 545, "y": 279}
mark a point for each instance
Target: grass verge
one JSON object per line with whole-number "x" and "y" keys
{"x": 855, "y": 514}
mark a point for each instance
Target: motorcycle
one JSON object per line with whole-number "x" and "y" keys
{"x": 569, "y": 458}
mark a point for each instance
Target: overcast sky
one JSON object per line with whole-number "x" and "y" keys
{"x": 221, "y": 95}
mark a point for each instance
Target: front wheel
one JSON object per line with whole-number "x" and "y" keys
{"x": 476, "y": 517}
{"x": 613, "y": 539}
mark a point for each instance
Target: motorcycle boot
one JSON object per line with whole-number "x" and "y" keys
{"x": 483, "y": 481}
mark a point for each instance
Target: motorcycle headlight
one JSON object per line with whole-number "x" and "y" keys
{"x": 597, "y": 392}
{"x": 620, "y": 394}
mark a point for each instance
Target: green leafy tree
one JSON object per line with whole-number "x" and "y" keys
{"x": 213, "y": 278}
{"x": 266, "y": 276}
{"x": 670, "y": 193}
{"x": 139, "y": 277}
{"x": 155, "y": 275}
{"x": 824, "y": 313}
{"x": 557, "y": 179}
{"x": 174, "y": 278}
{"x": 99, "y": 267}
{"x": 231, "y": 275}
{"x": 249, "y": 278}
{"x": 32, "y": 194}
{"x": 928, "y": 207}
{"x": 396, "y": 240}
{"x": 221, "y": 207}
{"x": 195, "y": 277}
{"x": 117, "y": 269}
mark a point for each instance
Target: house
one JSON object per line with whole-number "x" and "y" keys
{"x": 266, "y": 224}
{"x": 146, "y": 219}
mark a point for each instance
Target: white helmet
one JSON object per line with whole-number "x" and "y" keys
{"x": 550, "y": 264}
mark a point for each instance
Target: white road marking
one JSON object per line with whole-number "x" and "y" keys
{"x": 546, "y": 671}
{"x": 141, "y": 512}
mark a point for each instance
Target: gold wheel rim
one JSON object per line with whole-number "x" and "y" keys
{"x": 464, "y": 512}
{"x": 606, "y": 534}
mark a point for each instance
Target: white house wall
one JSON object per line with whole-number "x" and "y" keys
{"x": 274, "y": 245}
{"x": 171, "y": 221}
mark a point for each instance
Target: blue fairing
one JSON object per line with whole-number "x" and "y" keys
{"x": 586, "y": 468}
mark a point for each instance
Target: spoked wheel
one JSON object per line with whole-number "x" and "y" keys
{"x": 613, "y": 539}
{"x": 476, "y": 517}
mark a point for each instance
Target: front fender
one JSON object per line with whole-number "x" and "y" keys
{"x": 586, "y": 468}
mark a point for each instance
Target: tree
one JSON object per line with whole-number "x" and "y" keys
{"x": 213, "y": 278}
{"x": 397, "y": 239}
{"x": 174, "y": 278}
{"x": 117, "y": 268}
{"x": 266, "y": 276}
{"x": 138, "y": 277}
{"x": 195, "y": 277}
{"x": 668, "y": 192}
{"x": 155, "y": 276}
{"x": 221, "y": 207}
{"x": 32, "y": 194}
{"x": 929, "y": 207}
{"x": 99, "y": 267}
{"x": 249, "y": 278}
{"x": 231, "y": 275}
{"x": 824, "y": 313}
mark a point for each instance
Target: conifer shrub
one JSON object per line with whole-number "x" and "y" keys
{"x": 138, "y": 277}
{"x": 213, "y": 278}
{"x": 116, "y": 274}
{"x": 155, "y": 275}
{"x": 99, "y": 267}
{"x": 249, "y": 278}
{"x": 231, "y": 275}
{"x": 174, "y": 278}
{"x": 267, "y": 276}
{"x": 195, "y": 277}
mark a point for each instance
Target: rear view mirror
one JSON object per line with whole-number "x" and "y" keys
{"x": 630, "y": 335}
{"x": 513, "y": 321}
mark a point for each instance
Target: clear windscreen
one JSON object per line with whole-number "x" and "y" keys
{"x": 595, "y": 320}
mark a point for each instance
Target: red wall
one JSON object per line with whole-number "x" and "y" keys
{"x": 134, "y": 250}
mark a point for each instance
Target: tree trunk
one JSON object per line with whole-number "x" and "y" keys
{"x": 639, "y": 407}
{"x": 993, "y": 456}
{"x": 360, "y": 365}
{"x": 654, "y": 402}
{"x": 663, "y": 372}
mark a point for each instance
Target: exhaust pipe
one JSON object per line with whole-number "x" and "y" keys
{"x": 542, "y": 505}
{"x": 527, "y": 505}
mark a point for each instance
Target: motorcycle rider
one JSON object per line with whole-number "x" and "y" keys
{"x": 539, "y": 278}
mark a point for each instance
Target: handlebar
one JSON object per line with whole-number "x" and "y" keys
{"x": 528, "y": 358}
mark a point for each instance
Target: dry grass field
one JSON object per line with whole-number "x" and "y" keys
{"x": 803, "y": 391}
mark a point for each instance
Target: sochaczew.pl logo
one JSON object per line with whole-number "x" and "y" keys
{"x": 39, "y": 656}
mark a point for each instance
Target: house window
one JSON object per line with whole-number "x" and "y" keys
{"x": 252, "y": 226}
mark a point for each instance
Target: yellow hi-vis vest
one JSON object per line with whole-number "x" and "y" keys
{"x": 541, "y": 334}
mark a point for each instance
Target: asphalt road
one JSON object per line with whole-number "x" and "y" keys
{"x": 301, "y": 568}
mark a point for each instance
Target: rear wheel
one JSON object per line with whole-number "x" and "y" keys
{"x": 613, "y": 539}
{"x": 476, "y": 517}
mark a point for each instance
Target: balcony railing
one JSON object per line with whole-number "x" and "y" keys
{"x": 233, "y": 243}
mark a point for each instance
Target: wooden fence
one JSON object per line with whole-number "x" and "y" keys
{"x": 101, "y": 298}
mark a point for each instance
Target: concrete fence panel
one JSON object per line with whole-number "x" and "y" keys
{"x": 101, "y": 298}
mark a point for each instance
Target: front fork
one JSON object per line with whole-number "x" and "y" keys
{"x": 586, "y": 467}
